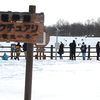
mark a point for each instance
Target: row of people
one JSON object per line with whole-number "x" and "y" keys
{"x": 83, "y": 49}
{"x": 72, "y": 46}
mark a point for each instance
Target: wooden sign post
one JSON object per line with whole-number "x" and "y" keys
{"x": 25, "y": 27}
{"x": 29, "y": 65}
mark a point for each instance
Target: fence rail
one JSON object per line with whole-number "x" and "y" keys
{"x": 49, "y": 52}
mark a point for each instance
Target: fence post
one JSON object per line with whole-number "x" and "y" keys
{"x": 11, "y": 53}
{"x": 12, "y": 50}
{"x": 88, "y": 52}
{"x": 40, "y": 53}
{"x": 51, "y": 51}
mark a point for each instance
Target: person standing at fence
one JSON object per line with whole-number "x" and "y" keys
{"x": 73, "y": 50}
{"x": 70, "y": 45}
{"x": 61, "y": 50}
{"x": 25, "y": 49}
{"x": 83, "y": 50}
{"x": 17, "y": 50}
{"x": 98, "y": 49}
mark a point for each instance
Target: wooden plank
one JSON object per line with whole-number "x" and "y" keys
{"x": 39, "y": 17}
{"x": 21, "y": 32}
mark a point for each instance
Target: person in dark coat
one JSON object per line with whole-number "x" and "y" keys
{"x": 72, "y": 50}
{"x": 98, "y": 49}
{"x": 70, "y": 45}
{"x": 61, "y": 50}
{"x": 25, "y": 49}
{"x": 83, "y": 50}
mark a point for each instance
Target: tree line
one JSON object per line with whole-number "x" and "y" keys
{"x": 89, "y": 28}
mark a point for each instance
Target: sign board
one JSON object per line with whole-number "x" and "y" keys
{"x": 21, "y": 27}
{"x": 57, "y": 45}
{"x": 13, "y": 47}
{"x": 46, "y": 39}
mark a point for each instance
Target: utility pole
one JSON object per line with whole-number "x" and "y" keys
{"x": 56, "y": 44}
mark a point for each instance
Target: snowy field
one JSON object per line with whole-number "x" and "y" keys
{"x": 67, "y": 40}
{"x": 53, "y": 79}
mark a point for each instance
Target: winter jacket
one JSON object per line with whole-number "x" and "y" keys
{"x": 98, "y": 47}
{"x": 61, "y": 49}
{"x": 83, "y": 48}
{"x": 25, "y": 47}
{"x": 18, "y": 46}
{"x": 73, "y": 47}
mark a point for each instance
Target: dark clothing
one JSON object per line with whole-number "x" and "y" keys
{"x": 61, "y": 50}
{"x": 25, "y": 47}
{"x": 98, "y": 50}
{"x": 72, "y": 50}
{"x": 17, "y": 56}
{"x": 83, "y": 48}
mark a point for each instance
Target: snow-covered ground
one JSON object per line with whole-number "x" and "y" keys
{"x": 53, "y": 79}
{"x": 66, "y": 40}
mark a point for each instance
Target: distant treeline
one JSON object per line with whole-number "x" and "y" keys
{"x": 89, "y": 28}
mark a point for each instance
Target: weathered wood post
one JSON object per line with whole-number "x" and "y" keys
{"x": 26, "y": 27}
{"x": 29, "y": 65}
{"x": 88, "y": 52}
{"x": 51, "y": 51}
{"x": 12, "y": 50}
{"x": 40, "y": 46}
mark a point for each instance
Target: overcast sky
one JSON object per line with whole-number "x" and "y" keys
{"x": 68, "y": 10}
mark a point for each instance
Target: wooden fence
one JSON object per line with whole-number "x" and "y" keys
{"x": 49, "y": 52}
